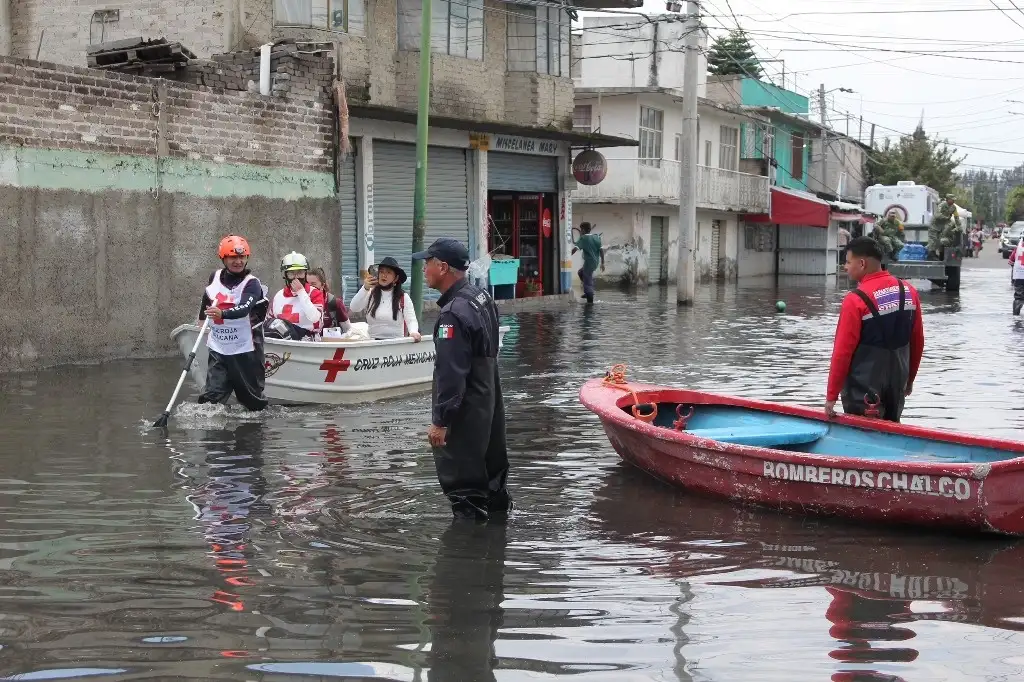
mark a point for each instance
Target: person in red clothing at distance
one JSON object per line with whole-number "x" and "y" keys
{"x": 879, "y": 339}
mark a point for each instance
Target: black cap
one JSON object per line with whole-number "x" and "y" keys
{"x": 447, "y": 250}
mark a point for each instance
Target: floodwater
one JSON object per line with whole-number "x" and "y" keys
{"x": 313, "y": 544}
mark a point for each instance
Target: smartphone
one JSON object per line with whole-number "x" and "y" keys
{"x": 372, "y": 270}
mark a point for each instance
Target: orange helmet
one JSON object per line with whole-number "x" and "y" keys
{"x": 233, "y": 245}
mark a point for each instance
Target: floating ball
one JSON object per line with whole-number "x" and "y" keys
{"x": 780, "y": 306}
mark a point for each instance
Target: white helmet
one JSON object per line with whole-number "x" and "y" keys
{"x": 294, "y": 261}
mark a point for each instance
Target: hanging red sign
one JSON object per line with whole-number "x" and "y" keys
{"x": 545, "y": 223}
{"x": 589, "y": 167}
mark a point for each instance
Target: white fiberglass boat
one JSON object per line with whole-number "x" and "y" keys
{"x": 332, "y": 371}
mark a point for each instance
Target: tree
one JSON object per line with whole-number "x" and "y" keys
{"x": 914, "y": 157}
{"x": 1015, "y": 205}
{"x": 732, "y": 54}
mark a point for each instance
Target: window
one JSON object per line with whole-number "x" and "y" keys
{"x": 797, "y": 166}
{"x": 456, "y": 27}
{"x": 652, "y": 123}
{"x": 538, "y": 40}
{"x": 679, "y": 147}
{"x": 343, "y": 16}
{"x": 729, "y": 148}
{"x": 707, "y": 153}
{"x": 582, "y": 118}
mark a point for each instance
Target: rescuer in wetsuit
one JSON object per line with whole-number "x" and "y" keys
{"x": 879, "y": 340}
{"x": 468, "y": 416}
{"x": 236, "y": 304}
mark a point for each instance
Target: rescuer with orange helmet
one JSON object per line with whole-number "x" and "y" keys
{"x": 236, "y": 304}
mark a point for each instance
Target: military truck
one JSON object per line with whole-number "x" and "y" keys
{"x": 915, "y": 205}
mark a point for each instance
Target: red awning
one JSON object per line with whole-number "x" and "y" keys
{"x": 792, "y": 207}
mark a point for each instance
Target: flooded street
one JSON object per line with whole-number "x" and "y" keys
{"x": 314, "y": 543}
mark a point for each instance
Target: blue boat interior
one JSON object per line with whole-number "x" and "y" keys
{"x": 741, "y": 426}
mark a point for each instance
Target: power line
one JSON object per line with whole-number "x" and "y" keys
{"x": 1007, "y": 13}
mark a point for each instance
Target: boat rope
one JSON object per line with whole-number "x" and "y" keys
{"x": 616, "y": 378}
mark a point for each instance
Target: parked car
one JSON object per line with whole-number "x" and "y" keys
{"x": 1011, "y": 235}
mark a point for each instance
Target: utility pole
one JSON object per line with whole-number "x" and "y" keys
{"x": 685, "y": 266}
{"x": 419, "y": 209}
{"x": 872, "y": 142}
{"x": 824, "y": 137}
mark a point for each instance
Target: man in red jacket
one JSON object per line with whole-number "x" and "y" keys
{"x": 879, "y": 340}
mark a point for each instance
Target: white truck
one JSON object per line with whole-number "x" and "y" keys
{"x": 915, "y": 205}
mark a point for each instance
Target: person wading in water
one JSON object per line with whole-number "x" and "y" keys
{"x": 467, "y": 427}
{"x": 879, "y": 340}
{"x": 236, "y": 304}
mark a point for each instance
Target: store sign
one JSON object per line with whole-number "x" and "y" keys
{"x": 523, "y": 145}
{"x": 545, "y": 223}
{"x": 589, "y": 167}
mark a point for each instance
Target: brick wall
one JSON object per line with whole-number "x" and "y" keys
{"x": 298, "y": 71}
{"x": 64, "y": 26}
{"x": 61, "y": 107}
{"x": 534, "y": 99}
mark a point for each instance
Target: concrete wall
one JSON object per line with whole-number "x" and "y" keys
{"x": 373, "y": 67}
{"x": 619, "y": 115}
{"x": 844, "y": 156}
{"x": 752, "y": 262}
{"x": 118, "y": 189}
{"x": 625, "y": 231}
{"x": 626, "y": 52}
{"x": 60, "y": 30}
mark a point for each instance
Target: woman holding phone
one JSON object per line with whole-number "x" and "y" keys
{"x": 389, "y": 310}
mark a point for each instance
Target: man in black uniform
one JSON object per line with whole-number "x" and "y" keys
{"x": 468, "y": 420}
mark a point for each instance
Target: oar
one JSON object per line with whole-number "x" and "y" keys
{"x": 162, "y": 421}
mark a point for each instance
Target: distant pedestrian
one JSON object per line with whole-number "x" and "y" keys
{"x": 844, "y": 239}
{"x": 879, "y": 339}
{"x": 1017, "y": 274}
{"x": 467, "y": 429}
{"x": 593, "y": 253}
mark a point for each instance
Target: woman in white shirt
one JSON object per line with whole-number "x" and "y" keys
{"x": 389, "y": 310}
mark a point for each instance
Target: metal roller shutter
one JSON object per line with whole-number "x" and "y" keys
{"x": 349, "y": 231}
{"x": 657, "y": 246}
{"x": 521, "y": 172}
{"x": 394, "y": 177}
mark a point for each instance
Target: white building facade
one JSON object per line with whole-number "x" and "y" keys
{"x": 636, "y": 207}
{"x": 629, "y": 85}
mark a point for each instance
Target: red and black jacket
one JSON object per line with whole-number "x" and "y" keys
{"x": 879, "y": 340}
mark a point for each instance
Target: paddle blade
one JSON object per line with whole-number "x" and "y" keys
{"x": 162, "y": 421}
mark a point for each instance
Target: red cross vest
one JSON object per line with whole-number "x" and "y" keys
{"x": 286, "y": 308}
{"x": 230, "y": 337}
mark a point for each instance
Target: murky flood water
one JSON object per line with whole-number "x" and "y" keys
{"x": 313, "y": 543}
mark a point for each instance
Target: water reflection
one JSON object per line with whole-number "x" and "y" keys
{"x": 313, "y": 543}
{"x": 464, "y": 602}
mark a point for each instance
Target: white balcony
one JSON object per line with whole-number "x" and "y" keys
{"x": 630, "y": 181}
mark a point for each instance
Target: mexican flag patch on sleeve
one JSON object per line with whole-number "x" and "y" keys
{"x": 446, "y": 331}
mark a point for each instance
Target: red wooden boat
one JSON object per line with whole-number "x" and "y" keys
{"x": 797, "y": 460}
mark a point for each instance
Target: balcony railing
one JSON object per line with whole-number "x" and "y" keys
{"x": 657, "y": 181}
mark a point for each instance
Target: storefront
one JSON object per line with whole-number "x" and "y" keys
{"x": 394, "y": 175}
{"x": 522, "y": 212}
{"x": 804, "y": 244}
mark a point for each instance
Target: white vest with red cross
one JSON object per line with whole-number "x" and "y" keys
{"x": 229, "y": 337}
{"x": 1018, "y": 266}
{"x": 287, "y": 308}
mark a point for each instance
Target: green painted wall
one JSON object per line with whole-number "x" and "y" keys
{"x": 93, "y": 172}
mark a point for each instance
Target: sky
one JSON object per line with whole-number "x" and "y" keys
{"x": 962, "y": 87}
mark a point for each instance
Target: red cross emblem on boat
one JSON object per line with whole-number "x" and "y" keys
{"x": 336, "y": 364}
{"x": 288, "y": 313}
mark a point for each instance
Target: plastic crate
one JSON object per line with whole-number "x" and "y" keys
{"x": 504, "y": 272}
